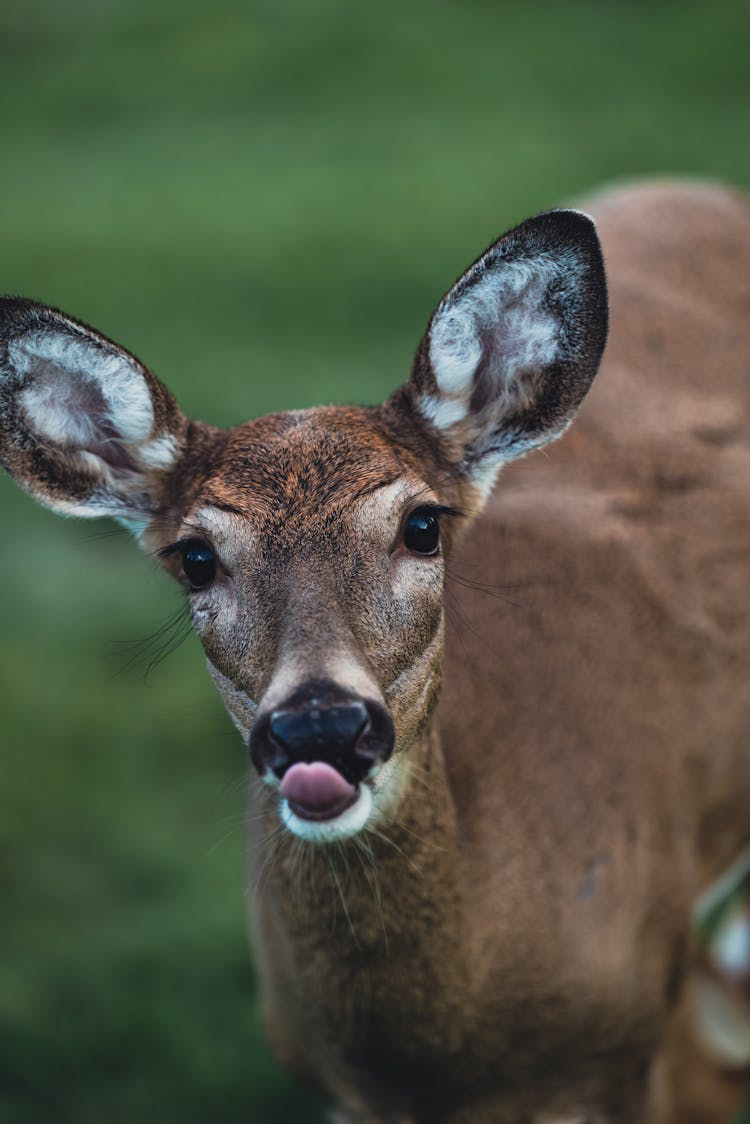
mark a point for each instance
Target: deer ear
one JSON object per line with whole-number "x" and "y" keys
{"x": 513, "y": 347}
{"x": 84, "y": 426}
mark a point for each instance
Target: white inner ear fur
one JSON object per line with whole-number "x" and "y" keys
{"x": 494, "y": 323}
{"x": 159, "y": 453}
{"x": 58, "y": 402}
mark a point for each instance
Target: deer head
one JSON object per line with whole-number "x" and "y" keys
{"x": 311, "y": 544}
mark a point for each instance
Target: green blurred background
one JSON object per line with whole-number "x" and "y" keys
{"x": 264, "y": 201}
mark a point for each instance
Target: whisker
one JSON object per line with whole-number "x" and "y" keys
{"x": 369, "y": 869}
{"x": 428, "y": 844}
{"x": 270, "y": 846}
{"x": 98, "y": 536}
{"x": 421, "y": 775}
{"x": 232, "y": 830}
{"x": 454, "y": 610}
{"x": 242, "y": 783}
{"x": 155, "y": 648}
{"x": 371, "y": 830}
{"x": 342, "y": 899}
{"x": 496, "y": 591}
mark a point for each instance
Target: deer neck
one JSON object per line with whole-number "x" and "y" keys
{"x": 358, "y": 935}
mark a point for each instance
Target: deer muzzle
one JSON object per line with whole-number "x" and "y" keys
{"x": 321, "y": 744}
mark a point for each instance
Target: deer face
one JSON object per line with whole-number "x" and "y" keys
{"x": 313, "y": 560}
{"x": 311, "y": 544}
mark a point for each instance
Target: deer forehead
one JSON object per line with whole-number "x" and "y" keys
{"x": 302, "y": 475}
{"x": 283, "y": 462}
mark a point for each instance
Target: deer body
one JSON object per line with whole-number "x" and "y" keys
{"x": 477, "y": 910}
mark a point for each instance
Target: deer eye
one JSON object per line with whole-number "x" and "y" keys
{"x": 422, "y": 531}
{"x": 198, "y": 562}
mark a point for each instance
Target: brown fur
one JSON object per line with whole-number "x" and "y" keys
{"x": 511, "y": 943}
{"x": 593, "y": 728}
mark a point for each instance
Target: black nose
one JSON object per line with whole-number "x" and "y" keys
{"x": 302, "y": 733}
{"x": 323, "y": 722}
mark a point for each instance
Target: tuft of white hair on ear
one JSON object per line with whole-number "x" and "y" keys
{"x": 498, "y": 327}
{"x": 84, "y": 426}
{"x": 62, "y": 372}
{"x": 513, "y": 346}
{"x": 162, "y": 452}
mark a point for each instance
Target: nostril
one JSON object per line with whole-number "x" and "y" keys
{"x": 375, "y": 742}
{"x": 265, "y": 752}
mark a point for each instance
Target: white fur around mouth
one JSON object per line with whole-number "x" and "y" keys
{"x": 350, "y": 821}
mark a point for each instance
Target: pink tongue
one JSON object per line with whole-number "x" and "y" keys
{"x": 315, "y": 787}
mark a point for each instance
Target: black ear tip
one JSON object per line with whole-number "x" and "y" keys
{"x": 564, "y": 225}
{"x": 19, "y": 314}
{"x": 10, "y": 304}
{"x": 575, "y": 215}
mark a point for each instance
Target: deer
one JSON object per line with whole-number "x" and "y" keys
{"x": 498, "y": 720}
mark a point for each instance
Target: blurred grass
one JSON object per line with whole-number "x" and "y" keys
{"x": 264, "y": 201}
